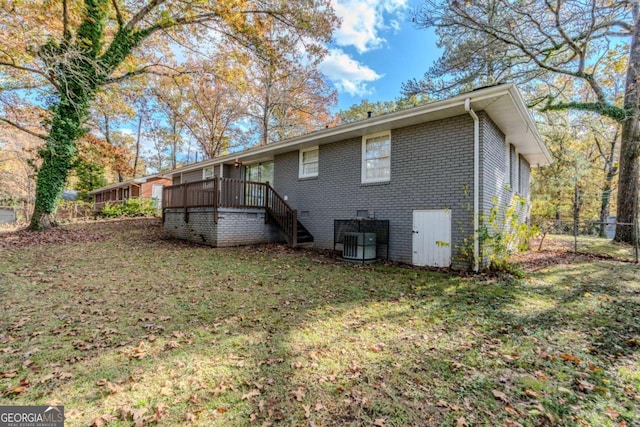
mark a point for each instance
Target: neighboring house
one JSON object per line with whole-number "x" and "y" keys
{"x": 8, "y": 215}
{"x": 433, "y": 171}
{"x": 69, "y": 195}
{"x": 146, "y": 187}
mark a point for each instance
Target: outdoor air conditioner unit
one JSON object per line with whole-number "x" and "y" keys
{"x": 359, "y": 246}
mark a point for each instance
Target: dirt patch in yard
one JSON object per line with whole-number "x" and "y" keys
{"x": 559, "y": 250}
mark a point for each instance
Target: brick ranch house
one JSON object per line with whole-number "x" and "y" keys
{"x": 432, "y": 171}
{"x": 146, "y": 187}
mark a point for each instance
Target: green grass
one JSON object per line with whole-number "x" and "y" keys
{"x": 121, "y": 326}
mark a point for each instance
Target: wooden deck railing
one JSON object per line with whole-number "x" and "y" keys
{"x": 232, "y": 193}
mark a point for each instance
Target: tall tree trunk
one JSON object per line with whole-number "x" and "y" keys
{"x": 605, "y": 201}
{"x": 266, "y": 109}
{"x": 107, "y": 136}
{"x": 135, "y": 160}
{"x": 627, "y": 212}
{"x": 611, "y": 170}
{"x": 174, "y": 143}
{"x": 265, "y": 122}
{"x": 57, "y": 158}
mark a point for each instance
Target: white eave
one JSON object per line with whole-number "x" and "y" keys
{"x": 503, "y": 104}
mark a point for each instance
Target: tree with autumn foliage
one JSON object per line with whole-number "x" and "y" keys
{"x": 362, "y": 110}
{"x": 69, "y": 51}
{"x": 286, "y": 94}
{"x": 537, "y": 41}
{"x": 206, "y": 105}
{"x": 578, "y": 184}
{"x": 18, "y": 161}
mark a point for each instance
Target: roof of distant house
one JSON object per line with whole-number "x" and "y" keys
{"x": 140, "y": 180}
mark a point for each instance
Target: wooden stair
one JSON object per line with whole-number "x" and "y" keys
{"x": 279, "y": 211}
{"x": 305, "y": 239}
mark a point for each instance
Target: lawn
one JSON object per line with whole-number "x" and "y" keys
{"x": 125, "y": 328}
{"x": 588, "y": 245}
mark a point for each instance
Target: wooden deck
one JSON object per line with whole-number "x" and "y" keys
{"x": 219, "y": 193}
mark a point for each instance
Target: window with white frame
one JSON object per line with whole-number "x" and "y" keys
{"x": 309, "y": 162}
{"x": 507, "y": 161}
{"x": 515, "y": 171}
{"x": 513, "y": 168}
{"x": 208, "y": 173}
{"x": 376, "y": 157}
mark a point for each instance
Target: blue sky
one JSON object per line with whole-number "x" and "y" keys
{"x": 376, "y": 49}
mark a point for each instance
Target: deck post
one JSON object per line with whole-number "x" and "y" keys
{"x": 267, "y": 195}
{"x": 217, "y": 184}
{"x": 184, "y": 202}
{"x": 294, "y": 229}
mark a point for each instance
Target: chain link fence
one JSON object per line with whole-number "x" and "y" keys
{"x": 591, "y": 238}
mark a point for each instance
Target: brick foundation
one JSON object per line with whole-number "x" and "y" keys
{"x": 235, "y": 227}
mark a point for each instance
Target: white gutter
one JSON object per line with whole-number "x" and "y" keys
{"x": 476, "y": 183}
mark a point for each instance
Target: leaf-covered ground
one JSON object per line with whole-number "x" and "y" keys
{"x": 125, "y": 328}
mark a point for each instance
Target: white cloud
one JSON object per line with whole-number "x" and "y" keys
{"x": 363, "y": 20}
{"x": 347, "y": 74}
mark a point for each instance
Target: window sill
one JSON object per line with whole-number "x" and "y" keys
{"x": 307, "y": 178}
{"x": 374, "y": 183}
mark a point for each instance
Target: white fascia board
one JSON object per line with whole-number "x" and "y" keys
{"x": 527, "y": 118}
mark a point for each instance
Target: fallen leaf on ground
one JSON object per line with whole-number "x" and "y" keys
{"x": 103, "y": 420}
{"x": 612, "y": 413}
{"x": 299, "y": 394}
{"x": 585, "y": 386}
{"x": 16, "y": 390}
{"x": 570, "y": 358}
{"x": 500, "y": 395}
{"x": 251, "y": 394}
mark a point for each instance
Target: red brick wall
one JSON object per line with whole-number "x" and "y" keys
{"x": 148, "y": 186}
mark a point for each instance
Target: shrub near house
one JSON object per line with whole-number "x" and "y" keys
{"x": 130, "y": 208}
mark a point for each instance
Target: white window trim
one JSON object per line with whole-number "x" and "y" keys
{"x": 363, "y": 159}
{"x": 516, "y": 175}
{"x": 204, "y": 172}
{"x": 507, "y": 150}
{"x": 301, "y": 173}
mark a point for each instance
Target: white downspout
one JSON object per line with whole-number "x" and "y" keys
{"x": 476, "y": 183}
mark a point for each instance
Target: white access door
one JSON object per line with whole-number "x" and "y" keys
{"x": 156, "y": 193}
{"x": 432, "y": 238}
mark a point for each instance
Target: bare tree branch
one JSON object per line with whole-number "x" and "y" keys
{"x": 148, "y": 69}
{"x": 23, "y": 129}
{"x": 130, "y": 26}
{"x": 23, "y": 68}
{"x": 119, "y": 17}
{"x": 66, "y": 34}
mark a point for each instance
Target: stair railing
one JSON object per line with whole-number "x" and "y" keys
{"x": 283, "y": 214}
